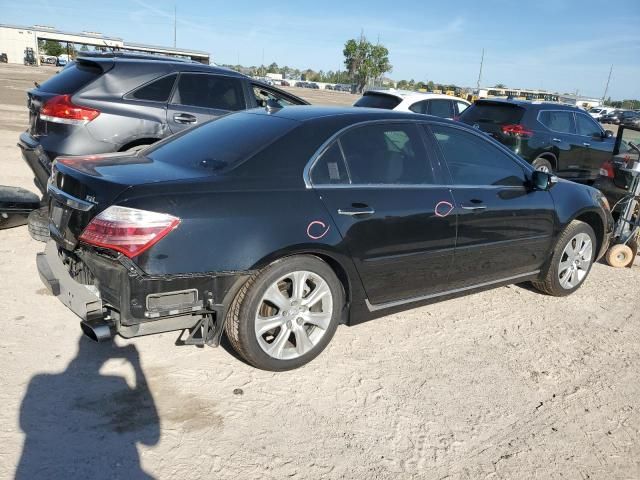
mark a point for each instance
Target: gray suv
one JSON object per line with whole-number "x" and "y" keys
{"x": 122, "y": 102}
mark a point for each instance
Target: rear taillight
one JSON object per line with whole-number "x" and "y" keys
{"x": 60, "y": 109}
{"x": 128, "y": 230}
{"x": 516, "y": 130}
{"x": 606, "y": 170}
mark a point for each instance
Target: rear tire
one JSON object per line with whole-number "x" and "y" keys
{"x": 542, "y": 165}
{"x": 571, "y": 262}
{"x": 286, "y": 314}
{"x": 38, "y": 224}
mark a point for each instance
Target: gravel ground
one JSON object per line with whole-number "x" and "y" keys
{"x": 504, "y": 384}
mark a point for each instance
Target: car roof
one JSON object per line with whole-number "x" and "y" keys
{"x": 411, "y": 95}
{"x": 305, "y": 113}
{"x": 179, "y": 64}
{"x": 528, "y": 104}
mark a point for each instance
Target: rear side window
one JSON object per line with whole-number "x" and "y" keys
{"x": 475, "y": 161}
{"x": 558, "y": 121}
{"x": 440, "y": 108}
{"x": 387, "y": 154}
{"x": 330, "y": 168}
{"x": 496, "y": 113}
{"x": 72, "y": 78}
{"x": 156, "y": 91}
{"x": 461, "y": 107}
{"x": 210, "y": 91}
{"x": 221, "y": 144}
{"x": 420, "y": 107}
{"x": 378, "y": 100}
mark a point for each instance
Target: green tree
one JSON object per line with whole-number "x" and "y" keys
{"x": 273, "y": 68}
{"x": 365, "y": 61}
{"x": 500, "y": 85}
{"x": 430, "y": 86}
{"x": 51, "y": 47}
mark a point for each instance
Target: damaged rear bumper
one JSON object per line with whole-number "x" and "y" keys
{"x": 131, "y": 302}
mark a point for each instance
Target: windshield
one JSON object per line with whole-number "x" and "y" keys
{"x": 221, "y": 144}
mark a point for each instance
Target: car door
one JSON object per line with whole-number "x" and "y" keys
{"x": 385, "y": 193}
{"x": 598, "y": 146}
{"x": 564, "y": 141}
{"x": 199, "y": 97}
{"x": 505, "y": 228}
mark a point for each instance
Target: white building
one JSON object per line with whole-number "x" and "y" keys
{"x": 14, "y": 40}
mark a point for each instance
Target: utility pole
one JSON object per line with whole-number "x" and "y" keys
{"x": 604, "y": 96}
{"x": 175, "y": 22}
{"x": 480, "y": 73}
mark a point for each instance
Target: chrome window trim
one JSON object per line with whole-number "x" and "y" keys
{"x": 570, "y": 112}
{"x": 396, "y": 303}
{"x": 306, "y": 174}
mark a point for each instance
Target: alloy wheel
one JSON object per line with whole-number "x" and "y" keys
{"x": 293, "y": 315}
{"x": 575, "y": 261}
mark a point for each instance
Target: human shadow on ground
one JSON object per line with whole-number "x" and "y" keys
{"x": 80, "y": 424}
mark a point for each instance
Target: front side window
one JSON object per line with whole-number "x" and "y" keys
{"x": 461, "y": 107}
{"x": 210, "y": 91}
{"x": 156, "y": 91}
{"x": 388, "y": 154}
{"x": 587, "y": 126}
{"x": 557, "y": 120}
{"x": 440, "y": 108}
{"x": 263, "y": 95}
{"x": 473, "y": 160}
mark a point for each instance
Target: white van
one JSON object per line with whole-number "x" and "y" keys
{"x": 599, "y": 112}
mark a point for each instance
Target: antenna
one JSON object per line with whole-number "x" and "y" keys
{"x": 606, "y": 88}
{"x": 480, "y": 72}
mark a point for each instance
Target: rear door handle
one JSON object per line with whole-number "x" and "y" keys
{"x": 474, "y": 207}
{"x": 586, "y": 144}
{"x": 557, "y": 140}
{"x": 184, "y": 118}
{"x": 359, "y": 211}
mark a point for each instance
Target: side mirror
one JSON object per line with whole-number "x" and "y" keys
{"x": 543, "y": 180}
{"x": 608, "y": 134}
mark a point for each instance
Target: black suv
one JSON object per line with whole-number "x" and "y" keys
{"x": 121, "y": 102}
{"x": 552, "y": 137}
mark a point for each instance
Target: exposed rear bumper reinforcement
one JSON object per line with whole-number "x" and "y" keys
{"x": 89, "y": 306}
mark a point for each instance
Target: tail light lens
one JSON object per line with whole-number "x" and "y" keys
{"x": 516, "y": 130}
{"x": 606, "y": 170}
{"x": 60, "y": 109}
{"x": 128, "y": 230}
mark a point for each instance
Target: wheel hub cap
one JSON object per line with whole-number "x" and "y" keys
{"x": 293, "y": 315}
{"x": 575, "y": 261}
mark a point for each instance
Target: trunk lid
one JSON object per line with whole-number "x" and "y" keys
{"x": 82, "y": 187}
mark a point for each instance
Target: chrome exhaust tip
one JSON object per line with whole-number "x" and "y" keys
{"x": 97, "y": 330}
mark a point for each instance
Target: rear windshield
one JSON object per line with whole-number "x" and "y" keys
{"x": 72, "y": 78}
{"x": 220, "y": 144}
{"x": 497, "y": 113}
{"x": 378, "y": 100}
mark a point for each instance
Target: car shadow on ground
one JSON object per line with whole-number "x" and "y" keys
{"x": 81, "y": 424}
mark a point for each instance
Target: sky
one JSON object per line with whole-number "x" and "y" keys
{"x": 558, "y": 45}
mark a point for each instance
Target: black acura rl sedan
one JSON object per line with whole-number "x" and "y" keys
{"x": 277, "y": 225}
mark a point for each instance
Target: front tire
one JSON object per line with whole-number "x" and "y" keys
{"x": 286, "y": 314}
{"x": 571, "y": 262}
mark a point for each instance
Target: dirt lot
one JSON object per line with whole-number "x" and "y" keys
{"x": 505, "y": 384}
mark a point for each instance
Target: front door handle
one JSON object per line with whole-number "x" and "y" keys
{"x": 586, "y": 144}
{"x": 184, "y": 118}
{"x": 474, "y": 207}
{"x": 355, "y": 212}
{"x": 557, "y": 140}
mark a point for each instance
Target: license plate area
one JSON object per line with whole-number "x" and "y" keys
{"x": 59, "y": 216}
